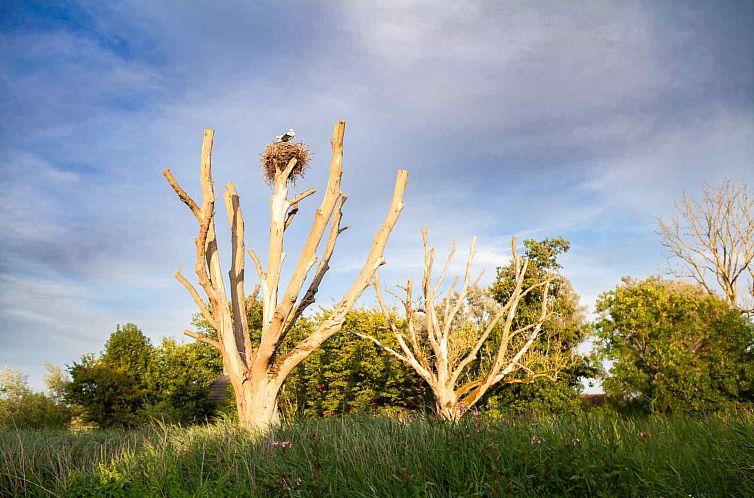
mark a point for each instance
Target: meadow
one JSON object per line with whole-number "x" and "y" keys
{"x": 588, "y": 455}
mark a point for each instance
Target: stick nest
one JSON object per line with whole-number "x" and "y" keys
{"x": 276, "y": 157}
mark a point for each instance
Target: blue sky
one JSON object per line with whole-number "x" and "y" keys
{"x": 536, "y": 119}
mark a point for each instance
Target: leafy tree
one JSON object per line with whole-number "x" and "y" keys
{"x": 674, "y": 347}
{"x": 129, "y": 349}
{"x": 56, "y": 381}
{"x": 13, "y": 383}
{"x": 110, "y": 395}
{"x": 349, "y": 374}
{"x": 561, "y": 333}
{"x": 112, "y": 389}
{"x": 21, "y": 407}
{"x": 346, "y": 375}
{"x": 177, "y": 379}
{"x": 132, "y": 380}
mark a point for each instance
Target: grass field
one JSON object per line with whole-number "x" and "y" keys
{"x": 383, "y": 457}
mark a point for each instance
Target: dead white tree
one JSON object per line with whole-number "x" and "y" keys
{"x": 448, "y": 340}
{"x": 714, "y": 239}
{"x": 255, "y": 371}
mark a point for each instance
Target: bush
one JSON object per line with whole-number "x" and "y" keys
{"x": 33, "y": 411}
{"x": 674, "y": 348}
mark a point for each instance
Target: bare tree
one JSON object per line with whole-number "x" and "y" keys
{"x": 714, "y": 239}
{"x": 256, "y": 371}
{"x": 464, "y": 343}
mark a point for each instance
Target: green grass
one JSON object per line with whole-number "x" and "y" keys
{"x": 383, "y": 457}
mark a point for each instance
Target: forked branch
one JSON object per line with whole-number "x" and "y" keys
{"x": 254, "y": 372}
{"x": 445, "y": 338}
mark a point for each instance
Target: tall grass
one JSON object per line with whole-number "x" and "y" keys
{"x": 368, "y": 457}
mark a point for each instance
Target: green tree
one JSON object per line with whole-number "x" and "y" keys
{"x": 674, "y": 347}
{"x": 129, "y": 349}
{"x": 177, "y": 379}
{"x": 112, "y": 389}
{"x": 132, "y": 381}
{"x": 349, "y": 374}
{"x": 560, "y": 336}
{"x": 13, "y": 383}
{"x": 22, "y": 408}
{"x": 56, "y": 379}
{"x": 110, "y": 396}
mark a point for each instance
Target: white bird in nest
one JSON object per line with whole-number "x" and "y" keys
{"x": 285, "y": 137}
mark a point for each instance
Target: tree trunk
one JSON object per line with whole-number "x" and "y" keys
{"x": 255, "y": 371}
{"x": 430, "y": 343}
{"x": 257, "y": 403}
{"x": 446, "y": 404}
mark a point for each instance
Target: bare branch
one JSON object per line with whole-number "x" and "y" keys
{"x": 334, "y": 322}
{"x": 456, "y": 340}
{"x": 198, "y": 300}
{"x": 386, "y": 348}
{"x": 293, "y": 203}
{"x": 182, "y": 195}
{"x": 414, "y": 354}
{"x": 303, "y": 196}
{"x": 203, "y": 338}
{"x": 714, "y": 239}
{"x": 322, "y": 268}
{"x": 257, "y": 264}
{"x": 236, "y": 273}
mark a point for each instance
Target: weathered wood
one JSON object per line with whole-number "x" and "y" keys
{"x": 253, "y": 372}
{"x": 437, "y": 340}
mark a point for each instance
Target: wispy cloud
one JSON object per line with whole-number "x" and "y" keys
{"x": 533, "y": 120}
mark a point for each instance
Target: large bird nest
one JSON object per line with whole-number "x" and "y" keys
{"x": 277, "y": 156}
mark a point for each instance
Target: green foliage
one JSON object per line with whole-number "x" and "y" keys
{"x": 560, "y": 335}
{"x": 177, "y": 381}
{"x": 113, "y": 389}
{"x": 22, "y": 408}
{"x": 33, "y": 411}
{"x": 129, "y": 350}
{"x": 349, "y": 375}
{"x": 110, "y": 396}
{"x": 56, "y": 381}
{"x": 379, "y": 456}
{"x": 346, "y": 375}
{"x": 133, "y": 381}
{"x": 674, "y": 347}
{"x": 13, "y": 383}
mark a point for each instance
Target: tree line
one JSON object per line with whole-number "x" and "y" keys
{"x": 672, "y": 347}
{"x": 454, "y": 346}
{"x": 461, "y": 342}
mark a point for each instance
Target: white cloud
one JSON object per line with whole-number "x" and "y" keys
{"x": 535, "y": 120}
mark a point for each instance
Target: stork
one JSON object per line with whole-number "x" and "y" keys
{"x": 285, "y": 137}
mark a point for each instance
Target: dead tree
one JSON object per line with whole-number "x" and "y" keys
{"x": 448, "y": 340}
{"x": 714, "y": 239}
{"x": 256, "y": 371}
